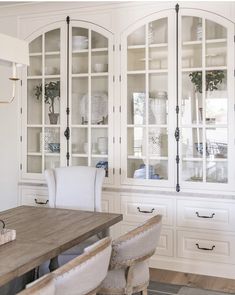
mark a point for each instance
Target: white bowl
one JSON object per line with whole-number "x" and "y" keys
{"x": 101, "y": 68}
{"x": 79, "y": 42}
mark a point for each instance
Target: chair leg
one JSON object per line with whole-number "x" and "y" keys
{"x": 144, "y": 292}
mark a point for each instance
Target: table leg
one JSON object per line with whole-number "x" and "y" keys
{"x": 54, "y": 264}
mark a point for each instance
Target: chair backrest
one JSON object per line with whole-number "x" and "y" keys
{"x": 43, "y": 286}
{"x": 137, "y": 245}
{"x": 85, "y": 273}
{"x": 77, "y": 187}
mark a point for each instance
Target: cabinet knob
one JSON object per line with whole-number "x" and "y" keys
{"x": 144, "y": 211}
{"x": 204, "y": 216}
{"x": 40, "y": 202}
{"x": 205, "y": 249}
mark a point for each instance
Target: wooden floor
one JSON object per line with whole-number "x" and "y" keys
{"x": 192, "y": 280}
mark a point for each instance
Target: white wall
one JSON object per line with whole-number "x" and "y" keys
{"x": 9, "y": 135}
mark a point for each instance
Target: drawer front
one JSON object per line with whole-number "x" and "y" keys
{"x": 139, "y": 209}
{"x": 204, "y": 246}
{"x": 34, "y": 197}
{"x": 207, "y": 215}
{"x": 165, "y": 244}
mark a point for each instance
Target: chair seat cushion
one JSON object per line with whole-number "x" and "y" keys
{"x": 116, "y": 277}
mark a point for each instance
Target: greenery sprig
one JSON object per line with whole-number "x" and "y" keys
{"x": 52, "y": 91}
{"x": 213, "y": 80}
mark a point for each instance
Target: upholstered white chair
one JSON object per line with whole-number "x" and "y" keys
{"x": 82, "y": 275}
{"x": 129, "y": 271}
{"x": 77, "y": 187}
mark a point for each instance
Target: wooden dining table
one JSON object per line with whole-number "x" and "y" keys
{"x": 44, "y": 233}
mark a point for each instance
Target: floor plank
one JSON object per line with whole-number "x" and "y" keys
{"x": 192, "y": 280}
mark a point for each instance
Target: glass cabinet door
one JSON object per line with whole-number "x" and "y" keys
{"x": 91, "y": 98}
{"x": 205, "y": 100}
{"x": 43, "y": 103}
{"x": 146, "y": 95}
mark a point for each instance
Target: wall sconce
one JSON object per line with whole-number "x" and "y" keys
{"x": 15, "y": 51}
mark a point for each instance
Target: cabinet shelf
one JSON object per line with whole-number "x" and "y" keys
{"x": 136, "y": 157}
{"x": 52, "y": 53}
{"x": 43, "y": 76}
{"x": 79, "y": 155}
{"x": 104, "y": 49}
{"x": 52, "y": 154}
{"x": 34, "y": 154}
{"x": 161, "y": 71}
{"x": 99, "y": 156}
{"x": 35, "y": 54}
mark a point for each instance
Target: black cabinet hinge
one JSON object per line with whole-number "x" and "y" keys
{"x": 120, "y": 109}
{"x": 113, "y": 47}
{"x": 120, "y": 78}
{"x": 21, "y": 138}
{"x": 67, "y": 111}
{"x": 177, "y": 109}
{"x": 120, "y": 171}
{"x": 20, "y": 166}
{"x": 67, "y": 156}
{"x": 21, "y": 111}
{"x": 113, "y": 78}
{"x": 113, "y": 171}
{"x": 21, "y": 82}
{"x": 120, "y": 47}
{"x": 113, "y": 139}
{"x": 177, "y": 159}
{"x": 120, "y": 140}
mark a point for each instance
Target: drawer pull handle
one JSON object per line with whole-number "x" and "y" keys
{"x": 204, "y": 216}
{"x": 144, "y": 211}
{"x": 3, "y": 223}
{"x": 206, "y": 249}
{"x": 41, "y": 203}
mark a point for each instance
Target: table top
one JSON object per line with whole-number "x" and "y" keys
{"x": 43, "y": 233}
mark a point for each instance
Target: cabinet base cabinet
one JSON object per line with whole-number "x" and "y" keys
{"x": 189, "y": 242}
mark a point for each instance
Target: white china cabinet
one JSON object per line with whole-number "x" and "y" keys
{"x": 150, "y": 98}
{"x": 195, "y": 59}
{"x": 69, "y": 95}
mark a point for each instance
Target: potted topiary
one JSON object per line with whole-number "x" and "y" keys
{"x": 52, "y": 92}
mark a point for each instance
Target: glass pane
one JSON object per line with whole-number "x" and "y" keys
{"x": 216, "y": 143}
{"x": 99, "y": 141}
{"x": 52, "y": 140}
{"x": 52, "y": 41}
{"x": 137, "y": 37}
{"x": 192, "y": 142}
{"x": 79, "y": 101}
{"x": 136, "y": 59}
{"x": 79, "y": 141}
{"x": 136, "y": 142}
{"x": 79, "y": 161}
{"x": 192, "y": 107}
{"x": 34, "y": 102}
{"x": 35, "y": 68}
{"x": 34, "y": 142}
{"x": 36, "y": 45}
{"x": 52, "y": 162}
{"x": 158, "y": 103}
{"x": 80, "y": 63}
{"x": 192, "y": 171}
{"x": 191, "y": 55}
{"x": 216, "y": 54}
{"x": 34, "y": 164}
{"x": 158, "y": 58}
{"x": 98, "y": 40}
{"x": 99, "y": 62}
{"x": 158, "y": 31}
{"x": 136, "y": 169}
{"x": 215, "y": 31}
{"x": 158, "y": 169}
{"x": 79, "y": 39}
{"x": 158, "y": 142}
{"x": 52, "y": 101}
{"x": 191, "y": 28}
{"x": 99, "y": 100}
{"x": 101, "y": 163}
{"x": 135, "y": 99}
{"x": 52, "y": 64}
{"x": 217, "y": 172}
{"x": 216, "y": 97}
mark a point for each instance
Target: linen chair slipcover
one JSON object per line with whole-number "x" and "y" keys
{"x": 82, "y": 275}
{"x": 77, "y": 187}
{"x": 129, "y": 271}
